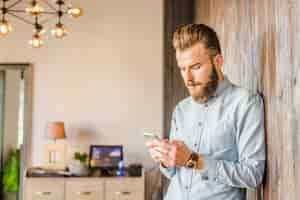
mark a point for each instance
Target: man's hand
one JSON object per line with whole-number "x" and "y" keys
{"x": 158, "y": 150}
{"x": 169, "y": 153}
{"x": 179, "y": 153}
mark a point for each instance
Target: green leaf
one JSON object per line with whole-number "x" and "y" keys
{"x": 82, "y": 157}
{"x": 11, "y": 170}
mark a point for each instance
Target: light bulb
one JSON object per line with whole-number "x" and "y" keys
{"x": 59, "y": 31}
{"x": 75, "y": 11}
{"x": 36, "y": 41}
{"x": 5, "y": 28}
{"x": 35, "y": 8}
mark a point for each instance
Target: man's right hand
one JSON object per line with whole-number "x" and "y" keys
{"x": 158, "y": 150}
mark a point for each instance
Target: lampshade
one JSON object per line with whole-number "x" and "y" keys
{"x": 56, "y": 130}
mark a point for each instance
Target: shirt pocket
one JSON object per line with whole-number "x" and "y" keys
{"x": 221, "y": 139}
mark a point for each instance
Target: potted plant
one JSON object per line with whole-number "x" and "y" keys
{"x": 79, "y": 166}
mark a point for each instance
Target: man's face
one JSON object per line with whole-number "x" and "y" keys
{"x": 198, "y": 71}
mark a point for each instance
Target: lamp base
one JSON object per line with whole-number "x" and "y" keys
{"x": 55, "y": 156}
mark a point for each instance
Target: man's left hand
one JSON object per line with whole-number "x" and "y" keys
{"x": 178, "y": 154}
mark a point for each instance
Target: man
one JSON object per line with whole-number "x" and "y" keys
{"x": 216, "y": 147}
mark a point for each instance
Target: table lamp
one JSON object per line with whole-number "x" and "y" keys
{"x": 55, "y": 154}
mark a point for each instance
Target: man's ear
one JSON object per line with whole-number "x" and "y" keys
{"x": 219, "y": 61}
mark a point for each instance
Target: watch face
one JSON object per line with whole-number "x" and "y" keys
{"x": 190, "y": 164}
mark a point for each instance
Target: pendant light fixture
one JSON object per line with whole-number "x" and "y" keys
{"x": 37, "y": 9}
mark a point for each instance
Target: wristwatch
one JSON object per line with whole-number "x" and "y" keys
{"x": 192, "y": 161}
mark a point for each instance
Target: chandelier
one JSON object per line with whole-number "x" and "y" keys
{"x": 35, "y": 9}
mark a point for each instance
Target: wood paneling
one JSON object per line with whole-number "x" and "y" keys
{"x": 176, "y": 12}
{"x": 260, "y": 40}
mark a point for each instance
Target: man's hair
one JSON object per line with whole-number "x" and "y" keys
{"x": 186, "y": 36}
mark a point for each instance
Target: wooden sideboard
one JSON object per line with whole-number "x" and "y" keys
{"x": 84, "y": 188}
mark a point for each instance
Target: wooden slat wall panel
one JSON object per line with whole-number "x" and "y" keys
{"x": 261, "y": 41}
{"x": 176, "y": 12}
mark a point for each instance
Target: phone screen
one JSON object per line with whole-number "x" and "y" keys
{"x": 151, "y": 136}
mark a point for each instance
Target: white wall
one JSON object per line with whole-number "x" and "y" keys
{"x": 104, "y": 80}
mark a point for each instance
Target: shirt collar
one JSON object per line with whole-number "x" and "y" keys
{"x": 222, "y": 85}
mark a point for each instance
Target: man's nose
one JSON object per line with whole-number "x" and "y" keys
{"x": 189, "y": 75}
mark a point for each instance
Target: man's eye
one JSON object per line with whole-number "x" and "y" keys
{"x": 196, "y": 67}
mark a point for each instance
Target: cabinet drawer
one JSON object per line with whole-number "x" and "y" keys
{"x": 84, "y": 189}
{"x": 125, "y": 189}
{"x": 44, "y": 189}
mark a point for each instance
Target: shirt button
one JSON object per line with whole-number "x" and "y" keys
{"x": 186, "y": 187}
{"x": 195, "y": 145}
{"x": 199, "y": 123}
{"x": 206, "y": 105}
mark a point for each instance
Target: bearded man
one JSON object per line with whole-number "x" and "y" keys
{"x": 216, "y": 147}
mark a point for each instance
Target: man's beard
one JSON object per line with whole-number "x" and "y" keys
{"x": 208, "y": 89}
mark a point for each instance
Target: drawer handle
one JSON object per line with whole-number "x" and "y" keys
{"x": 84, "y": 193}
{"x": 43, "y": 193}
{"x": 123, "y": 193}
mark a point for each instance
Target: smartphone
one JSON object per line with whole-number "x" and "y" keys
{"x": 151, "y": 136}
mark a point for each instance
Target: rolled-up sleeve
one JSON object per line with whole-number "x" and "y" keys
{"x": 248, "y": 170}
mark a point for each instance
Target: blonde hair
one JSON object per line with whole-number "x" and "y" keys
{"x": 186, "y": 36}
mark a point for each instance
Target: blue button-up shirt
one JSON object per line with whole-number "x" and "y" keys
{"x": 228, "y": 131}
